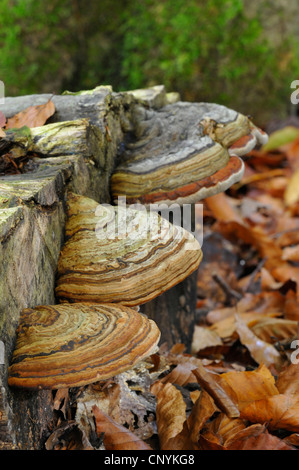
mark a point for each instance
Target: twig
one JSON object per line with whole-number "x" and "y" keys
{"x": 230, "y": 293}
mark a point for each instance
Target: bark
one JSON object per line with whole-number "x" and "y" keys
{"x": 174, "y": 312}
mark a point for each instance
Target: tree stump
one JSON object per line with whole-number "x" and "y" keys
{"x": 76, "y": 150}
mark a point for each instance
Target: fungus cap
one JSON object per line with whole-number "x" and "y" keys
{"x": 181, "y": 150}
{"x": 121, "y": 255}
{"x": 73, "y": 345}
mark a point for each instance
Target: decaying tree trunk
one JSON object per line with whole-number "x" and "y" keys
{"x": 77, "y": 150}
{"x": 174, "y": 312}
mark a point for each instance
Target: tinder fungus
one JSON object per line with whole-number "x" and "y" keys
{"x": 72, "y": 345}
{"x": 121, "y": 255}
{"x": 184, "y": 153}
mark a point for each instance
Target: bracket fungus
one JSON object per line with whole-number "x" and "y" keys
{"x": 121, "y": 255}
{"x": 183, "y": 152}
{"x": 73, "y": 345}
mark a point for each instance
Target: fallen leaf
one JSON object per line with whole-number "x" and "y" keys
{"x": 116, "y": 436}
{"x": 272, "y": 330}
{"x": 188, "y": 438}
{"x": 33, "y": 116}
{"x": 61, "y": 400}
{"x": 224, "y": 428}
{"x": 289, "y": 237}
{"x": 261, "y": 351}
{"x": 256, "y": 437}
{"x": 291, "y": 253}
{"x": 291, "y": 308}
{"x": 291, "y": 195}
{"x": 202, "y": 411}
{"x": 280, "y": 138}
{"x": 288, "y": 380}
{"x": 210, "y": 441}
{"x": 223, "y": 209}
{"x": 292, "y": 440}
{"x": 204, "y": 338}
{"x": 180, "y": 375}
{"x": 227, "y": 328}
{"x": 219, "y": 390}
{"x": 270, "y": 174}
{"x": 250, "y": 386}
{"x": 268, "y": 282}
{"x": 291, "y": 150}
{"x": 278, "y": 412}
{"x": 171, "y": 413}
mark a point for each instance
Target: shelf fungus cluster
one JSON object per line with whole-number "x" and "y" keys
{"x": 72, "y": 345}
{"x": 183, "y": 153}
{"x": 113, "y": 260}
{"x": 116, "y": 258}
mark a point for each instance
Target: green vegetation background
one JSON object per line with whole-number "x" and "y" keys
{"x": 207, "y": 50}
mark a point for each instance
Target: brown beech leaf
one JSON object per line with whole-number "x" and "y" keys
{"x": 210, "y": 441}
{"x": 291, "y": 308}
{"x": 171, "y": 413}
{"x": 202, "y": 410}
{"x": 227, "y": 328}
{"x": 264, "y": 302}
{"x": 180, "y": 375}
{"x": 260, "y": 351}
{"x": 204, "y": 338}
{"x": 278, "y": 412}
{"x": 222, "y": 208}
{"x": 2, "y": 133}
{"x": 224, "y": 428}
{"x": 33, "y": 116}
{"x": 271, "y": 303}
{"x": 61, "y": 400}
{"x": 218, "y": 389}
{"x": 292, "y": 440}
{"x": 274, "y": 329}
{"x": 256, "y": 437}
{"x": 250, "y": 386}
{"x": 285, "y": 272}
{"x": 291, "y": 195}
{"x": 289, "y": 237}
{"x": 291, "y": 150}
{"x": 291, "y": 253}
{"x": 288, "y": 380}
{"x": 116, "y": 436}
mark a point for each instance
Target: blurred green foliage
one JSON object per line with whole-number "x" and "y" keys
{"x": 207, "y": 50}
